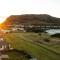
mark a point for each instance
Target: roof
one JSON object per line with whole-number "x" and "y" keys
{"x": 3, "y": 42}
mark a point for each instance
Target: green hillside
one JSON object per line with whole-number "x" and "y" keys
{"x": 25, "y": 41}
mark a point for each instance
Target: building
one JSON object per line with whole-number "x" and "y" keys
{"x": 4, "y": 45}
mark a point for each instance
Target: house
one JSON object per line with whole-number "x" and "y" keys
{"x": 4, "y": 45}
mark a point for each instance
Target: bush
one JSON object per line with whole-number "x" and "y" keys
{"x": 46, "y": 40}
{"x": 34, "y": 29}
{"x": 56, "y": 35}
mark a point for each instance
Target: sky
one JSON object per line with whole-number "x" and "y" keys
{"x": 18, "y": 7}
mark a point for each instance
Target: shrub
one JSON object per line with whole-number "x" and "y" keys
{"x": 56, "y": 35}
{"x": 46, "y": 40}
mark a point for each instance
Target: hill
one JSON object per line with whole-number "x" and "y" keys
{"x": 32, "y": 19}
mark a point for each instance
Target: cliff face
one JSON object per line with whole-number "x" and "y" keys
{"x": 29, "y": 19}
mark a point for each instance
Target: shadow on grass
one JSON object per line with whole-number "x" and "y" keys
{"x": 19, "y": 53}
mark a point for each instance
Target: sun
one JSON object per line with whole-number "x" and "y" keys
{"x": 2, "y": 19}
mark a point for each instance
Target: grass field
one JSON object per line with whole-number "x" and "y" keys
{"x": 25, "y": 41}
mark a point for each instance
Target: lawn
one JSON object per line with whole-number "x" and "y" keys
{"x": 21, "y": 41}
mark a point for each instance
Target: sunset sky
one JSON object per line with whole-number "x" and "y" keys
{"x": 14, "y": 7}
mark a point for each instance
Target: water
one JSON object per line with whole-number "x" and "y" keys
{"x": 33, "y": 59}
{"x": 53, "y": 31}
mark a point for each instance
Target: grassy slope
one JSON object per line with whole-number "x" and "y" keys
{"x": 15, "y": 56}
{"x": 19, "y": 41}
